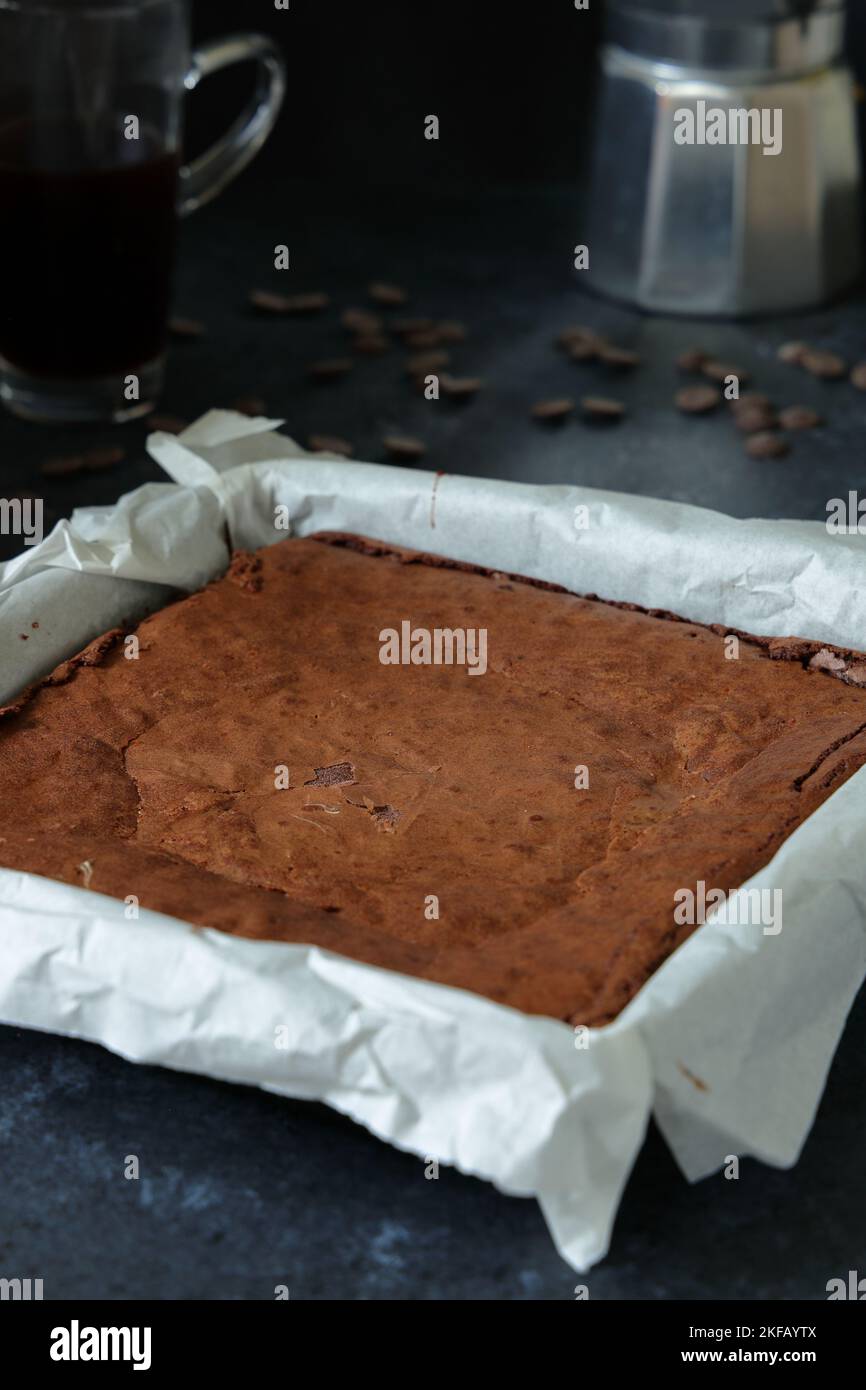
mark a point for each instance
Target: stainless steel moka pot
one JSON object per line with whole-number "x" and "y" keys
{"x": 726, "y": 174}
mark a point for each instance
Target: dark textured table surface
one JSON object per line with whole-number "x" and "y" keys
{"x": 241, "y": 1191}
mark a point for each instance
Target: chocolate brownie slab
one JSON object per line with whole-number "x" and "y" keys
{"x": 290, "y": 756}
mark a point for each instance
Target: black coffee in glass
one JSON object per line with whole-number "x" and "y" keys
{"x": 91, "y": 185}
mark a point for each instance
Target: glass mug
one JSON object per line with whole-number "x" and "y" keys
{"x": 91, "y": 185}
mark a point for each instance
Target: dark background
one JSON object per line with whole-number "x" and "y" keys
{"x": 241, "y": 1191}
{"x": 511, "y": 86}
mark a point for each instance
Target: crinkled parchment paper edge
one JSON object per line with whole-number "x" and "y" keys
{"x": 728, "y": 1044}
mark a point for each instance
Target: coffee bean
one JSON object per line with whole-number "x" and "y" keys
{"x": 271, "y": 303}
{"x": 424, "y": 362}
{"x": 799, "y": 417}
{"x": 388, "y": 295}
{"x": 619, "y": 357}
{"x": 330, "y": 369}
{"x": 330, "y": 444}
{"x": 402, "y": 327}
{"x": 751, "y": 400}
{"x": 582, "y": 350}
{"x": 450, "y": 331}
{"x": 827, "y": 365}
{"x": 361, "y": 321}
{"x": 602, "y": 408}
{"x": 253, "y": 406}
{"x": 268, "y": 302}
{"x": 371, "y": 344}
{"x": 697, "y": 400}
{"x": 792, "y": 352}
{"x": 720, "y": 371}
{"x": 579, "y": 333}
{"x": 62, "y": 467}
{"x": 431, "y": 338}
{"x": 404, "y": 446}
{"x": 460, "y": 387}
{"x": 552, "y": 410}
{"x": 767, "y": 445}
{"x": 756, "y": 419}
{"x": 185, "y": 328}
{"x": 92, "y": 461}
{"x": 307, "y": 303}
{"x": 98, "y": 460}
{"x": 858, "y": 376}
{"x": 168, "y": 424}
{"x": 691, "y": 360}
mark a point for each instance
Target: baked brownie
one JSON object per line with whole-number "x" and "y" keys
{"x": 417, "y": 789}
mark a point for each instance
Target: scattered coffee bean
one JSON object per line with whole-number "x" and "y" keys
{"x": 330, "y": 444}
{"x": 430, "y": 338}
{"x": 388, "y": 295}
{"x": 371, "y": 344}
{"x": 767, "y": 445}
{"x": 569, "y": 338}
{"x": 424, "y": 362}
{"x": 330, "y": 369}
{"x": 618, "y": 357}
{"x": 799, "y": 417}
{"x": 269, "y": 302}
{"x": 168, "y": 424}
{"x": 755, "y": 419}
{"x": 858, "y": 376}
{"x": 691, "y": 360}
{"x": 602, "y": 408}
{"x": 450, "y": 331}
{"x": 92, "y": 461}
{"x": 697, "y": 400}
{"x": 312, "y": 303}
{"x": 62, "y": 467}
{"x": 460, "y": 387}
{"x": 827, "y": 365}
{"x": 582, "y": 350}
{"x": 362, "y": 322}
{"x": 185, "y": 328}
{"x": 253, "y": 406}
{"x": 403, "y": 327}
{"x": 720, "y": 371}
{"x": 98, "y": 460}
{"x": 792, "y": 352}
{"x": 552, "y": 410}
{"x": 403, "y": 446}
{"x": 751, "y": 400}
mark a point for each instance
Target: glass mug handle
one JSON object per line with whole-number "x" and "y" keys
{"x": 208, "y": 175}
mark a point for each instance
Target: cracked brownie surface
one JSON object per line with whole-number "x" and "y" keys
{"x": 164, "y": 777}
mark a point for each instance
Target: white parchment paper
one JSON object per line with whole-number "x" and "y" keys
{"x": 729, "y": 1043}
